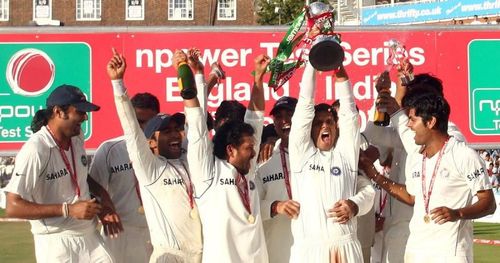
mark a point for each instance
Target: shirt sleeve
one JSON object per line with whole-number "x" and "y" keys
{"x": 300, "y": 143}
{"x": 144, "y": 161}
{"x": 365, "y": 194}
{"x": 29, "y": 168}
{"x": 349, "y": 135}
{"x": 406, "y": 135}
{"x": 200, "y": 155}
{"x": 256, "y": 120}
{"x": 382, "y": 136}
{"x": 472, "y": 166}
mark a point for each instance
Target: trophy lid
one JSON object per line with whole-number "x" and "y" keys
{"x": 318, "y": 8}
{"x": 393, "y": 43}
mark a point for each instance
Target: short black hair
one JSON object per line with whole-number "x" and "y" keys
{"x": 146, "y": 100}
{"x": 428, "y": 105}
{"x": 323, "y": 107}
{"x": 229, "y": 110}
{"x": 230, "y": 133}
{"x": 428, "y": 81}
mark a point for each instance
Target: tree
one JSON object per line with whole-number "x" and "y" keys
{"x": 279, "y": 12}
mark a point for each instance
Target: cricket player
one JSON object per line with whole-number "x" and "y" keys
{"x": 49, "y": 184}
{"x": 443, "y": 174}
{"x": 398, "y": 214}
{"x": 273, "y": 182}
{"x": 113, "y": 170}
{"x": 164, "y": 178}
{"x": 224, "y": 178}
{"x": 324, "y": 175}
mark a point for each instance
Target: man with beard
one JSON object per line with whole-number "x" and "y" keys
{"x": 224, "y": 174}
{"x": 164, "y": 178}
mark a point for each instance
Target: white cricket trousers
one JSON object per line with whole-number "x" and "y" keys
{"x": 170, "y": 255}
{"x": 133, "y": 245}
{"x": 71, "y": 248}
{"x": 342, "y": 249}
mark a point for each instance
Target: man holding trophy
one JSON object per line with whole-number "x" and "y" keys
{"x": 323, "y": 169}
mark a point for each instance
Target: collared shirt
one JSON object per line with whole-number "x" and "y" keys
{"x": 41, "y": 176}
{"x": 227, "y": 233}
{"x": 461, "y": 174}
{"x": 163, "y": 186}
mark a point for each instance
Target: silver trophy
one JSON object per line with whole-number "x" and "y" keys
{"x": 398, "y": 54}
{"x": 326, "y": 53}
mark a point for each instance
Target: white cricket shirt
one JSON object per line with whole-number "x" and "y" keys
{"x": 163, "y": 186}
{"x": 271, "y": 185}
{"x": 460, "y": 176}
{"x": 40, "y": 176}
{"x": 227, "y": 233}
{"x": 113, "y": 170}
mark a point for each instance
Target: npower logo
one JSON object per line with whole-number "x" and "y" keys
{"x": 30, "y": 72}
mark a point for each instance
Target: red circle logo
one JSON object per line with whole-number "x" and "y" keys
{"x": 30, "y": 72}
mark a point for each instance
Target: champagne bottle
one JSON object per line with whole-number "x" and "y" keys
{"x": 381, "y": 117}
{"x": 185, "y": 78}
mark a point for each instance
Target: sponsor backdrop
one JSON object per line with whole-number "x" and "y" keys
{"x": 34, "y": 64}
{"x": 430, "y": 11}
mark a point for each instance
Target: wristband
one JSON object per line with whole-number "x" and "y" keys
{"x": 65, "y": 210}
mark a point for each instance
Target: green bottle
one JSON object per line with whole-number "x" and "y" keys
{"x": 186, "y": 81}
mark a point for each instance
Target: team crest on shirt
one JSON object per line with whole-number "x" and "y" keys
{"x": 335, "y": 171}
{"x": 251, "y": 184}
{"x": 444, "y": 173}
{"x": 84, "y": 160}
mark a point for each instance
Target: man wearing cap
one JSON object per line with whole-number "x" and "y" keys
{"x": 113, "y": 170}
{"x": 49, "y": 186}
{"x": 164, "y": 180}
{"x": 273, "y": 183}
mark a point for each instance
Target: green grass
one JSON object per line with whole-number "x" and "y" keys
{"x": 16, "y": 242}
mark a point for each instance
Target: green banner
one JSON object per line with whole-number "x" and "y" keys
{"x": 32, "y": 71}
{"x": 484, "y": 87}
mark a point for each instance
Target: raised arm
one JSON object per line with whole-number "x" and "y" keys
{"x": 199, "y": 155}
{"x": 300, "y": 141}
{"x": 137, "y": 144}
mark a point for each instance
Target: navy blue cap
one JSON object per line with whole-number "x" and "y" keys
{"x": 161, "y": 121}
{"x": 285, "y": 102}
{"x": 70, "y": 95}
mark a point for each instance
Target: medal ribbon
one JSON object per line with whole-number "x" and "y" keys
{"x": 189, "y": 188}
{"x": 72, "y": 172}
{"x": 242, "y": 185}
{"x": 427, "y": 195}
{"x": 285, "y": 171}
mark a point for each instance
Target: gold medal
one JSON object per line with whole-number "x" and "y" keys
{"x": 427, "y": 219}
{"x": 140, "y": 210}
{"x": 193, "y": 213}
{"x": 251, "y": 219}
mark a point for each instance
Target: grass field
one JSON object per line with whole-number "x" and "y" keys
{"x": 16, "y": 242}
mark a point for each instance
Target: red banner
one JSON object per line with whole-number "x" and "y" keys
{"x": 149, "y": 58}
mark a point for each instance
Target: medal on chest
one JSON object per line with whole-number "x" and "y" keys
{"x": 427, "y": 194}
